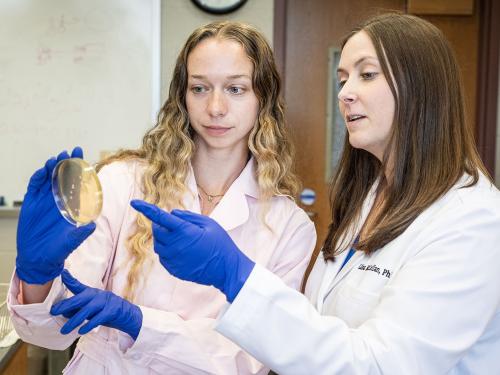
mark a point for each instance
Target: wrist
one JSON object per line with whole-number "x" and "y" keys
{"x": 34, "y": 293}
{"x": 38, "y": 274}
{"x": 136, "y": 324}
{"x": 238, "y": 277}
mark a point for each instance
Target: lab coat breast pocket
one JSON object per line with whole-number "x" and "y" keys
{"x": 354, "y": 305}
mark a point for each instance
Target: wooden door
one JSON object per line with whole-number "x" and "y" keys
{"x": 305, "y": 30}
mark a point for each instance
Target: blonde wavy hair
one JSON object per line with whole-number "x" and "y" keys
{"x": 168, "y": 147}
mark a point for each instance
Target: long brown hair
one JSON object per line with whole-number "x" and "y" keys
{"x": 168, "y": 147}
{"x": 431, "y": 145}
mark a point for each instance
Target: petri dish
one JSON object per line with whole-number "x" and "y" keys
{"x": 77, "y": 191}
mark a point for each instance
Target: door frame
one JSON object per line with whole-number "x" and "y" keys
{"x": 279, "y": 38}
{"x": 487, "y": 82}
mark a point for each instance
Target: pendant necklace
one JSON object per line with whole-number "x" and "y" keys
{"x": 210, "y": 197}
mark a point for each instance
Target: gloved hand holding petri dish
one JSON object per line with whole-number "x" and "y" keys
{"x": 77, "y": 191}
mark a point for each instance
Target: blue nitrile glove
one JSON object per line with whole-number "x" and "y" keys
{"x": 195, "y": 248}
{"x": 44, "y": 237}
{"x": 99, "y": 307}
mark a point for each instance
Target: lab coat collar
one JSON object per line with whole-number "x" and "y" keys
{"x": 232, "y": 210}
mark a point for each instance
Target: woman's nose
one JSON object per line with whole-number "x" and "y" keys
{"x": 216, "y": 104}
{"x": 347, "y": 93}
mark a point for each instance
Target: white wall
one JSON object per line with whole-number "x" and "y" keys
{"x": 181, "y": 17}
{"x": 72, "y": 73}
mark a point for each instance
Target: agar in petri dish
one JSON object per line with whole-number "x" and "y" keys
{"x": 77, "y": 191}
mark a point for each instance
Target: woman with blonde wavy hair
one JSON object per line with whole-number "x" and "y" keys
{"x": 219, "y": 148}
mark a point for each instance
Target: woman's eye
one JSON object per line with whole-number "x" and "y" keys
{"x": 369, "y": 75}
{"x": 341, "y": 83}
{"x": 197, "y": 89}
{"x": 236, "y": 90}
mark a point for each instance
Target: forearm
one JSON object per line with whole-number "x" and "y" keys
{"x": 34, "y": 293}
{"x": 33, "y": 322}
{"x": 265, "y": 304}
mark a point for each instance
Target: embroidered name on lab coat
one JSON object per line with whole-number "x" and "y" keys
{"x": 376, "y": 269}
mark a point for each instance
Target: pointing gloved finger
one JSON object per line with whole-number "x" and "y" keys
{"x": 70, "y": 313}
{"x": 68, "y": 304}
{"x": 77, "y": 152}
{"x": 70, "y": 325}
{"x": 72, "y": 303}
{"x": 97, "y": 320}
{"x": 151, "y": 211}
{"x": 156, "y": 214}
{"x": 80, "y": 298}
{"x": 71, "y": 283}
{"x": 87, "y": 312}
{"x": 161, "y": 235}
{"x": 194, "y": 218}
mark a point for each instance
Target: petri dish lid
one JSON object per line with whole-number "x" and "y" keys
{"x": 77, "y": 191}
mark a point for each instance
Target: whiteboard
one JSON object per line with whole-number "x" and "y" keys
{"x": 74, "y": 72}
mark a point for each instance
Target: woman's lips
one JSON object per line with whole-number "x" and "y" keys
{"x": 354, "y": 117}
{"x": 216, "y": 130}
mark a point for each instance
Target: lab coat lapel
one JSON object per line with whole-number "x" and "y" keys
{"x": 330, "y": 270}
{"x": 190, "y": 199}
{"x": 332, "y": 274}
{"x": 232, "y": 210}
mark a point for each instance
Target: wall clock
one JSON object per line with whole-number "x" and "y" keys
{"x": 219, "y": 6}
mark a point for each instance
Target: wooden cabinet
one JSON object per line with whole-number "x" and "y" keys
{"x": 441, "y": 7}
{"x": 16, "y": 360}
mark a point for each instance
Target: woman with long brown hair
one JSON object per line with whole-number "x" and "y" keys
{"x": 408, "y": 280}
{"x": 219, "y": 148}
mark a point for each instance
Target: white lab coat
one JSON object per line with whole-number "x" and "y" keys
{"x": 426, "y": 303}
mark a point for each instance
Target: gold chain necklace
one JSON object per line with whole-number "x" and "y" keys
{"x": 210, "y": 197}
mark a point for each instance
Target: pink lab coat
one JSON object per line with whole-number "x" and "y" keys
{"x": 177, "y": 335}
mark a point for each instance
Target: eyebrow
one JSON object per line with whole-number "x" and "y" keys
{"x": 234, "y": 76}
{"x": 358, "y": 62}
